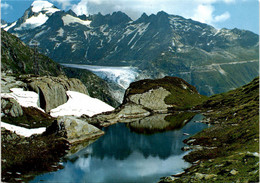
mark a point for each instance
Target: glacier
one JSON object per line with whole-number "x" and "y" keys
{"x": 122, "y": 76}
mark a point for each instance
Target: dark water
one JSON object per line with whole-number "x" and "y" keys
{"x": 122, "y": 155}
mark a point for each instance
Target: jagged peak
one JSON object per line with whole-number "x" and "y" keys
{"x": 162, "y": 13}
{"x": 144, "y": 15}
{"x": 41, "y": 5}
{"x": 71, "y": 12}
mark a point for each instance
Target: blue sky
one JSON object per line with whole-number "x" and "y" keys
{"x": 242, "y": 14}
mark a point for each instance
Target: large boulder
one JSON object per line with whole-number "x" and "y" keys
{"x": 152, "y": 99}
{"x": 52, "y": 90}
{"x": 73, "y": 129}
{"x": 11, "y": 107}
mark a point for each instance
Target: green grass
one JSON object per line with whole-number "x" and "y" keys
{"x": 235, "y": 136}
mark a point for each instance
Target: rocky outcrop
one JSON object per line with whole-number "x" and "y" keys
{"x": 161, "y": 94}
{"x": 52, "y": 90}
{"x": 10, "y": 107}
{"x": 147, "y": 97}
{"x": 73, "y": 129}
{"x": 151, "y": 100}
{"x": 8, "y": 82}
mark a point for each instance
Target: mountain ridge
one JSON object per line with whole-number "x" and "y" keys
{"x": 159, "y": 45}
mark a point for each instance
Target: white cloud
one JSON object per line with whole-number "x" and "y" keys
{"x": 229, "y": 1}
{"x": 200, "y": 10}
{"x": 81, "y": 8}
{"x": 5, "y": 6}
{"x": 223, "y": 17}
{"x": 64, "y": 3}
{"x": 203, "y": 13}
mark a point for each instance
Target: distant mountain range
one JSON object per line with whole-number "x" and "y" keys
{"x": 212, "y": 60}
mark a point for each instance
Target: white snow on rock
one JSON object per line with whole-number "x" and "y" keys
{"x": 33, "y": 22}
{"x": 21, "y": 130}
{"x": 79, "y": 104}
{"x": 24, "y": 98}
{"x": 39, "y": 5}
{"x": 42, "y": 10}
{"x": 10, "y": 26}
{"x": 4, "y": 25}
{"x": 68, "y": 19}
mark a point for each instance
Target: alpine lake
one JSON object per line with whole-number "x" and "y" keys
{"x": 141, "y": 151}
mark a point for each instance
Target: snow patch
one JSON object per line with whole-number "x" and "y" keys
{"x": 73, "y": 48}
{"x": 79, "y": 104}
{"x": 39, "y": 34}
{"x": 60, "y": 32}
{"x": 68, "y": 19}
{"x": 33, "y": 22}
{"x": 57, "y": 45}
{"x": 21, "y": 130}
{"x": 4, "y": 26}
{"x": 24, "y": 98}
{"x": 10, "y": 26}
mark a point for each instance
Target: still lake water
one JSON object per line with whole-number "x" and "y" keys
{"x": 122, "y": 155}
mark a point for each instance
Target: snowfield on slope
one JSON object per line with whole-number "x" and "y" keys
{"x": 79, "y": 104}
{"x": 24, "y": 98}
{"x": 21, "y": 130}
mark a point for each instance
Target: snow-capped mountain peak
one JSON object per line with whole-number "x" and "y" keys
{"x": 38, "y": 13}
{"x": 40, "y": 5}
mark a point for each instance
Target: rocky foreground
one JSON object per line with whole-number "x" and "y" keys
{"x": 26, "y": 104}
{"x": 229, "y": 150}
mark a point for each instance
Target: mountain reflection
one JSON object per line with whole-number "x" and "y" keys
{"x": 120, "y": 142}
{"x": 122, "y": 155}
{"x": 160, "y": 122}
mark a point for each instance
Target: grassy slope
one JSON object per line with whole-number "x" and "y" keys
{"x": 19, "y": 58}
{"x": 235, "y": 135}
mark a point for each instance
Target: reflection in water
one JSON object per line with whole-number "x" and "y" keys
{"x": 122, "y": 155}
{"x": 161, "y": 122}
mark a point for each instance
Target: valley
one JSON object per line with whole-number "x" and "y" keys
{"x": 107, "y": 98}
{"x": 157, "y": 45}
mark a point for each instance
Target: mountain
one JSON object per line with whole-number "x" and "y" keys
{"x": 38, "y": 13}
{"x": 18, "y": 58}
{"x": 158, "y": 45}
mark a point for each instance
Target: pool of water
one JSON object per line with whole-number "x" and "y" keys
{"x": 122, "y": 155}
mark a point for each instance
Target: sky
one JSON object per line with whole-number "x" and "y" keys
{"x": 242, "y": 14}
